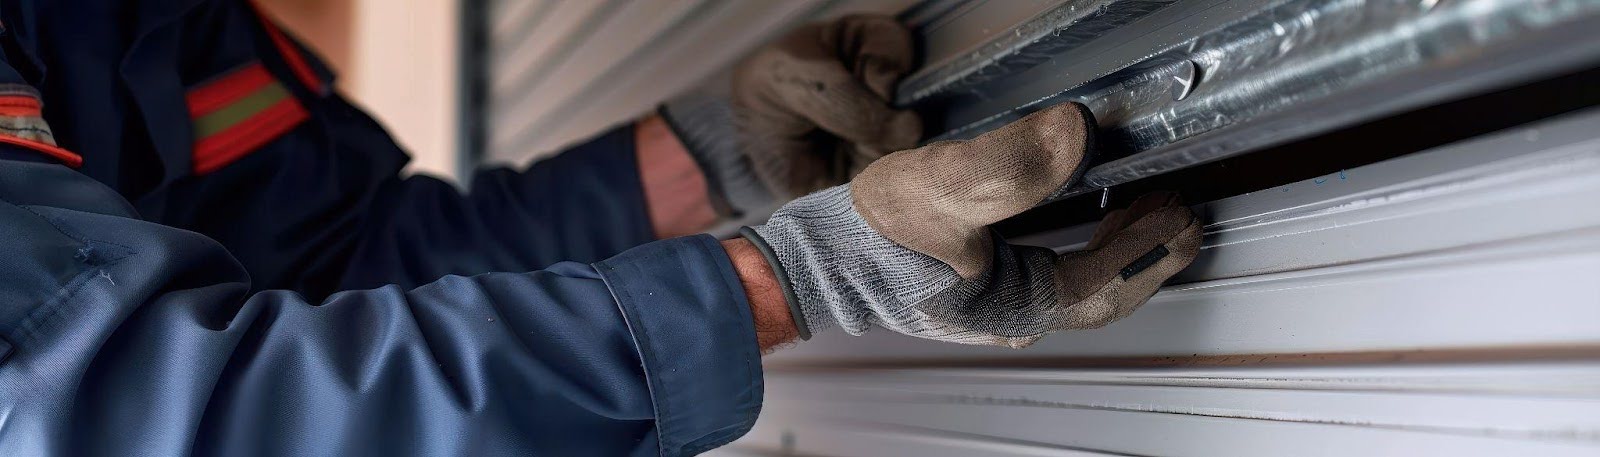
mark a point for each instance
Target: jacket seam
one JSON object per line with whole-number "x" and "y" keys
{"x": 28, "y": 327}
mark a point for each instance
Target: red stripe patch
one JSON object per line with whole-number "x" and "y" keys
{"x": 218, "y": 93}
{"x": 240, "y": 133}
{"x": 19, "y": 105}
{"x": 213, "y": 152}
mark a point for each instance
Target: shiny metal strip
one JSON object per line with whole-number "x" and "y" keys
{"x": 1062, "y": 27}
{"x": 1285, "y": 71}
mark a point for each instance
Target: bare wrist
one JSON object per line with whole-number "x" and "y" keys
{"x": 773, "y": 323}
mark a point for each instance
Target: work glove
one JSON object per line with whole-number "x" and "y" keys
{"x": 804, "y": 113}
{"x": 906, "y": 245}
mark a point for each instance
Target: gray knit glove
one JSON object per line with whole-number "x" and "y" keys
{"x": 906, "y": 245}
{"x": 802, "y": 114}
{"x": 703, "y": 120}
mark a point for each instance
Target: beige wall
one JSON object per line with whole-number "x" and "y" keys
{"x": 396, "y": 58}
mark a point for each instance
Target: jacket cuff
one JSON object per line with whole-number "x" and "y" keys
{"x": 692, "y": 326}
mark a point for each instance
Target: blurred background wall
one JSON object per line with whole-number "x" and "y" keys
{"x": 396, "y": 58}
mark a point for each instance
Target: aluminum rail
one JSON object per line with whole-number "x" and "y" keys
{"x": 1063, "y": 27}
{"x": 1205, "y": 80}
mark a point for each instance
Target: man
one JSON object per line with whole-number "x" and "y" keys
{"x": 207, "y": 250}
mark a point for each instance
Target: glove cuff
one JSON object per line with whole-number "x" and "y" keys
{"x": 705, "y": 125}
{"x": 842, "y": 272}
{"x": 809, "y": 240}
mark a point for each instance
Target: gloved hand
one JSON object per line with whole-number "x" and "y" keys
{"x": 804, "y": 113}
{"x": 906, "y": 245}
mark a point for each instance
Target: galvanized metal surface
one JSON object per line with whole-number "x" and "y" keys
{"x": 952, "y": 29}
{"x": 1066, "y": 25}
{"x": 1114, "y": 50}
{"x": 1271, "y": 72}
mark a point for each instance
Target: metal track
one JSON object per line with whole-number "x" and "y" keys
{"x": 1064, "y": 27}
{"x": 1205, "y": 80}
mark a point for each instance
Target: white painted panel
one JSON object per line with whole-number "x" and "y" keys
{"x": 624, "y": 32}
{"x": 1479, "y": 409}
{"x": 844, "y": 440}
{"x": 518, "y": 61}
{"x": 1243, "y": 393}
{"x": 1131, "y": 432}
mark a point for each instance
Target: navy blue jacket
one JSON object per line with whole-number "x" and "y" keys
{"x": 204, "y": 249}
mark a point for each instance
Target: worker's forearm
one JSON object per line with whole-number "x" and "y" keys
{"x": 675, "y": 191}
{"x": 773, "y": 323}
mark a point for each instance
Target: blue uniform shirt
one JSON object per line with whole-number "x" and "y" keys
{"x": 204, "y": 249}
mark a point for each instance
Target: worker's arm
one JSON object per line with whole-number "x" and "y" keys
{"x": 585, "y": 204}
{"x": 677, "y": 196}
{"x": 323, "y": 206}
{"x": 119, "y": 334}
{"x": 738, "y": 147}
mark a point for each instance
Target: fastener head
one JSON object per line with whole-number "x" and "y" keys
{"x": 1184, "y": 79}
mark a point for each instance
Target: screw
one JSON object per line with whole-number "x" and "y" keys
{"x": 1184, "y": 80}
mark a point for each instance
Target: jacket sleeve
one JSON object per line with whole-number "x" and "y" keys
{"x": 122, "y": 335}
{"x": 317, "y": 217}
{"x": 584, "y": 204}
